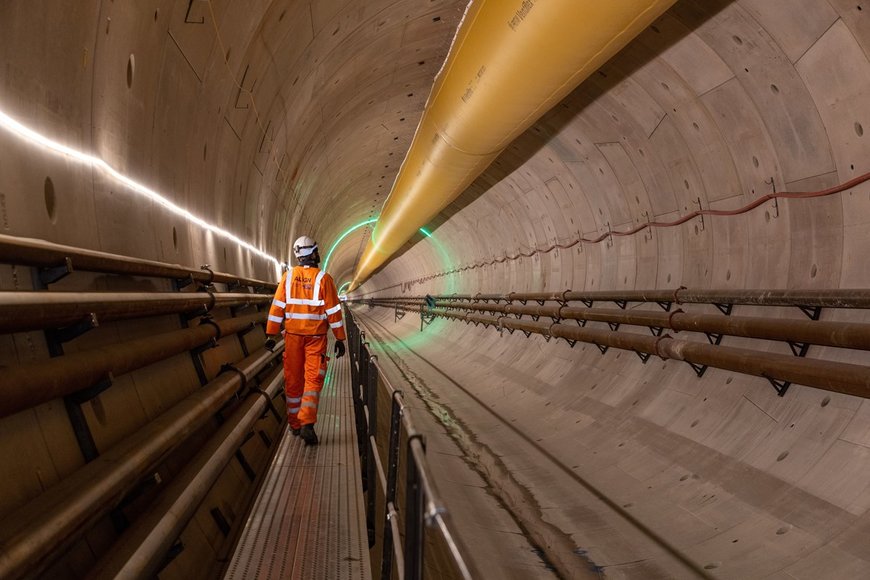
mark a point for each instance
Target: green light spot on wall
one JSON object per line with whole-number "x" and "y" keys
{"x": 439, "y": 248}
{"x": 346, "y": 233}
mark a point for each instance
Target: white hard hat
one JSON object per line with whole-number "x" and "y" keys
{"x": 304, "y": 246}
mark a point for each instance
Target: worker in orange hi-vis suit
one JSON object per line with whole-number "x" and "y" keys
{"x": 305, "y": 305}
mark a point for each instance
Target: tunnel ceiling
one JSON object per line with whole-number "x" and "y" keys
{"x": 340, "y": 87}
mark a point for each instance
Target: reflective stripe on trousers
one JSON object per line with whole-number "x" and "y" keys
{"x": 305, "y": 363}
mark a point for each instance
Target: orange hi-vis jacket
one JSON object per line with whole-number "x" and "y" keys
{"x": 306, "y": 302}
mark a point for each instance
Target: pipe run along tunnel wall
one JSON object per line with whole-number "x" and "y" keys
{"x": 291, "y": 117}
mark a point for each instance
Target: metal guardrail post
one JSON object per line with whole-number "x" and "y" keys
{"x": 353, "y": 348}
{"x": 392, "y": 477}
{"x": 371, "y": 401}
{"x": 359, "y": 390}
{"x": 414, "y": 513}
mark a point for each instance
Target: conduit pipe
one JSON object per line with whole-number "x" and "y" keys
{"x": 49, "y": 524}
{"x": 853, "y": 335}
{"x": 25, "y": 386}
{"x": 510, "y": 62}
{"x": 43, "y": 254}
{"x": 832, "y": 376}
{"x": 20, "y": 311}
{"x": 141, "y": 550}
{"x": 835, "y": 298}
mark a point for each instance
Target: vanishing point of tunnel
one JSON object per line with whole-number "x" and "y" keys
{"x": 609, "y": 261}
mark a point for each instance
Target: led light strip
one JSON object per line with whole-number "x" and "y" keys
{"x": 34, "y": 138}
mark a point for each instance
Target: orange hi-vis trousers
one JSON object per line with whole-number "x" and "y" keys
{"x": 304, "y": 370}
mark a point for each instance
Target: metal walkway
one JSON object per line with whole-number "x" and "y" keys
{"x": 308, "y": 521}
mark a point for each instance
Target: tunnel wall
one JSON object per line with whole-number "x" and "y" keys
{"x": 701, "y": 111}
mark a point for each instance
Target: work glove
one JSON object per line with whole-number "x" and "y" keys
{"x": 339, "y": 348}
{"x": 270, "y": 344}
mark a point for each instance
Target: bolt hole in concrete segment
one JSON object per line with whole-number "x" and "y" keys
{"x": 131, "y": 70}
{"x": 50, "y": 200}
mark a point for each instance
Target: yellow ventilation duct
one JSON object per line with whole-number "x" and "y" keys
{"x": 510, "y": 62}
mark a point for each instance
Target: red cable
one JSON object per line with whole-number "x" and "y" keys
{"x": 688, "y": 217}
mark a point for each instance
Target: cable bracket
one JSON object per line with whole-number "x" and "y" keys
{"x": 781, "y": 387}
{"x": 813, "y": 312}
{"x": 51, "y": 274}
{"x": 699, "y": 369}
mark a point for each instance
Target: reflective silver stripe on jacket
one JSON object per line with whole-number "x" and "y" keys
{"x": 310, "y": 394}
{"x": 317, "y": 286}
{"x": 296, "y": 316}
{"x": 305, "y": 302}
{"x": 334, "y": 309}
{"x": 278, "y": 303}
{"x": 277, "y": 319}
{"x": 338, "y": 324}
{"x": 311, "y": 405}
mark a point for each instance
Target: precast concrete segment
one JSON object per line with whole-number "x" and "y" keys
{"x": 308, "y": 521}
{"x": 39, "y": 531}
{"x": 27, "y": 385}
{"x": 142, "y": 549}
{"x": 493, "y": 86}
{"x": 20, "y": 311}
{"x": 45, "y": 254}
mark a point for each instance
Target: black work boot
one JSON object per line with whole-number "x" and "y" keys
{"x": 308, "y": 435}
{"x": 296, "y": 431}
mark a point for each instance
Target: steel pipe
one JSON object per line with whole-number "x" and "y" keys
{"x": 21, "y": 311}
{"x": 43, "y": 254}
{"x": 836, "y": 298}
{"x": 852, "y": 335}
{"x": 832, "y": 376}
{"x": 141, "y": 550}
{"x": 43, "y": 528}
{"x": 28, "y": 385}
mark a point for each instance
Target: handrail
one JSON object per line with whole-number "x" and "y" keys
{"x": 424, "y": 507}
{"x": 44, "y": 254}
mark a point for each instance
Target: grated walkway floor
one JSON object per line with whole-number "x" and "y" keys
{"x": 308, "y": 521}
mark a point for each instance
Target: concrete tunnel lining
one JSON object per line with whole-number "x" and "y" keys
{"x": 702, "y": 110}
